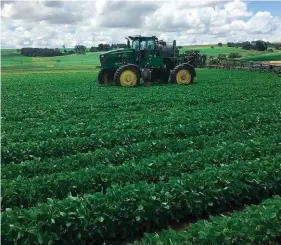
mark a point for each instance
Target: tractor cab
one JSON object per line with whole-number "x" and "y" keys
{"x": 145, "y": 51}
{"x": 143, "y": 46}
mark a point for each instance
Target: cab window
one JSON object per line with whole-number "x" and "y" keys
{"x": 135, "y": 44}
{"x": 150, "y": 44}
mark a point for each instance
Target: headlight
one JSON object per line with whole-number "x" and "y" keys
{"x": 102, "y": 59}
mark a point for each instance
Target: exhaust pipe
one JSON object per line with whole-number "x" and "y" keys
{"x": 128, "y": 42}
{"x": 174, "y": 45}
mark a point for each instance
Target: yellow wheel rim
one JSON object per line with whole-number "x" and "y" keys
{"x": 128, "y": 78}
{"x": 183, "y": 77}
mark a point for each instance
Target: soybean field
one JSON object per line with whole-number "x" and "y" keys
{"x": 89, "y": 164}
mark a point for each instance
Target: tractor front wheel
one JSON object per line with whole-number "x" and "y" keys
{"x": 127, "y": 76}
{"x": 105, "y": 76}
{"x": 183, "y": 74}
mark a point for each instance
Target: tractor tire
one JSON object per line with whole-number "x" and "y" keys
{"x": 105, "y": 76}
{"x": 127, "y": 76}
{"x": 183, "y": 74}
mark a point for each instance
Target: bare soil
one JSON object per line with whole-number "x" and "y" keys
{"x": 275, "y": 62}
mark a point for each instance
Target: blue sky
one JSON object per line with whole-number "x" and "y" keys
{"x": 274, "y": 7}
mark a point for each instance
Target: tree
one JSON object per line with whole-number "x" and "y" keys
{"x": 80, "y": 49}
{"x": 219, "y": 44}
{"x": 261, "y": 45}
{"x": 247, "y": 45}
{"x": 230, "y": 44}
{"x": 64, "y": 49}
{"x": 106, "y": 47}
{"x": 93, "y": 49}
{"x": 100, "y": 47}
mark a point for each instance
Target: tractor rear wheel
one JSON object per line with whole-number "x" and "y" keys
{"x": 183, "y": 74}
{"x": 105, "y": 76}
{"x": 127, "y": 76}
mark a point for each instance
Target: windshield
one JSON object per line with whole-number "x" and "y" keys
{"x": 135, "y": 44}
{"x": 147, "y": 44}
{"x": 143, "y": 44}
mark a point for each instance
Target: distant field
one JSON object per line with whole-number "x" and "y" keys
{"x": 12, "y": 58}
{"x": 207, "y": 50}
{"x": 265, "y": 57}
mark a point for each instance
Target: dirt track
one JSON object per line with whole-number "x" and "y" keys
{"x": 275, "y": 62}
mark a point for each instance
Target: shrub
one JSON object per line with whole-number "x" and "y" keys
{"x": 222, "y": 56}
{"x": 214, "y": 61}
{"x": 234, "y": 55}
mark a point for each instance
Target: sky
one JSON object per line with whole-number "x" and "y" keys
{"x": 53, "y": 24}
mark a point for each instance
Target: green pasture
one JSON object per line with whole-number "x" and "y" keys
{"x": 11, "y": 58}
{"x": 207, "y": 50}
{"x": 265, "y": 57}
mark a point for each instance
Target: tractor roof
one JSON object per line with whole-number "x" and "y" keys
{"x": 142, "y": 38}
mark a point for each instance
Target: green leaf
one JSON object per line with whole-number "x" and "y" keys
{"x": 140, "y": 207}
{"x": 138, "y": 218}
{"x": 101, "y": 219}
{"x": 202, "y": 235}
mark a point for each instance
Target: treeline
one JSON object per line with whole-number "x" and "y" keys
{"x": 78, "y": 49}
{"x": 107, "y": 47}
{"x": 43, "y": 52}
{"x": 255, "y": 45}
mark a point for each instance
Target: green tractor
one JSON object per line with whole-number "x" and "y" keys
{"x": 123, "y": 66}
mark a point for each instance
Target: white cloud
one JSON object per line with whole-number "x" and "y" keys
{"x": 55, "y": 23}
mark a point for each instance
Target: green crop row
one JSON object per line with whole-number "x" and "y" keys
{"x": 73, "y": 129}
{"x": 123, "y": 212}
{"x": 256, "y": 224}
{"x": 28, "y": 192}
{"x": 118, "y": 154}
{"x": 18, "y": 152}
